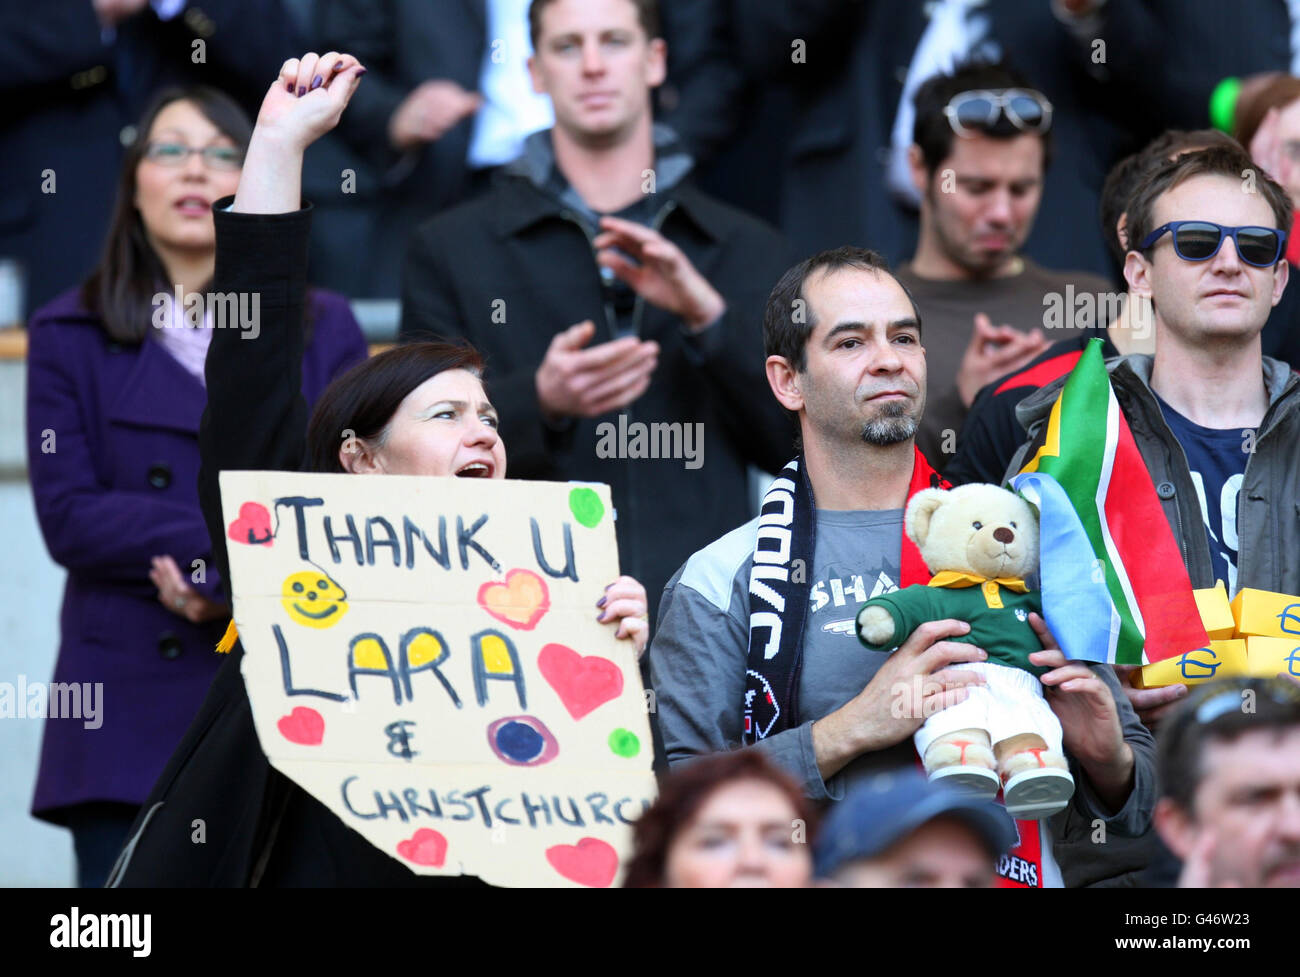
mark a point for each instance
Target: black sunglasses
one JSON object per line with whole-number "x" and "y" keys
{"x": 1201, "y": 240}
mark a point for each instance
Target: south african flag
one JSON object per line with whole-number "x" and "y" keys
{"x": 1112, "y": 578}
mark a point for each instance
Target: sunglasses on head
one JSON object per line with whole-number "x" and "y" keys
{"x": 1201, "y": 240}
{"x": 1216, "y": 699}
{"x": 1027, "y": 110}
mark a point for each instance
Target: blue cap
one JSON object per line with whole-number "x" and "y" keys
{"x": 889, "y": 806}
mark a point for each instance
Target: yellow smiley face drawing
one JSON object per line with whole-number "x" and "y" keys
{"x": 313, "y": 599}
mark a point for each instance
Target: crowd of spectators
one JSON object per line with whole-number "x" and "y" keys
{"x": 873, "y": 235}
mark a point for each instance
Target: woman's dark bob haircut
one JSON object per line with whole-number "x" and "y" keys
{"x": 361, "y": 402}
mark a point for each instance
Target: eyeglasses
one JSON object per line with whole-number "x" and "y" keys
{"x": 1201, "y": 240}
{"x": 175, "y": 154}
{"x": 1025, "y": 108}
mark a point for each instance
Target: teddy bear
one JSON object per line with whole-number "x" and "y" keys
{"x": 980, "y": 542}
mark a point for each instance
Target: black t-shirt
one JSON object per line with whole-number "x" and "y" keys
{"x": 1217, "y": 459}
{"x": 991, "y": 435}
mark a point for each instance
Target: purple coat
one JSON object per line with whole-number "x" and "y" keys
{"x": 118, "y": 488}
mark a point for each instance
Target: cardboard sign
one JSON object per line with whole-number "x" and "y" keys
{"x": 1216, "y": 612}
{"x": 1267, "y": 657}
{"x": 1267, "y": 642}
{"x": 1218, "y": 659}
{"x": 422, "y": 655}
{"x": 1263, "y": 613}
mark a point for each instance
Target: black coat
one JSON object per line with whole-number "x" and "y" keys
{"x": 363, "y": 232}
{"x": 1169, "y": 55}
{"x": 406, "y": 42}
{"x": 846, "y": 93}
{"x": 512, "y": 254}
{"x": 61, "y": 79}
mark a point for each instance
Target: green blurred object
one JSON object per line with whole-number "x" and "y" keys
{"x": 1223, "y": 104}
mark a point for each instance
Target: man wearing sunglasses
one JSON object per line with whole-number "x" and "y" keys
{"x": 1209, "y": 244}
{"x": 1216, "y": 421}
{"x": 982, "y": 143}
{"x": 1229, "y": 765}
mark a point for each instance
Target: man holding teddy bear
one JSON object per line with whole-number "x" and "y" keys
{"x": 756, "y": 643}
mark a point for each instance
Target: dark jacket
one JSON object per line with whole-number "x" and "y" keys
{"x": 991, "y": 434}
{"x": 510, "y": 270}
{"x": 847, "y": 88}
{"x": 1268, "y": 516}
{"x": 62, "y": 77}
{"x": 1169, "y": 55}
{"x": 112, "y": 435}
{"x": 362, "y": 234}
{"x": 1268, "y": 503}
{"x": 260, "y": 828}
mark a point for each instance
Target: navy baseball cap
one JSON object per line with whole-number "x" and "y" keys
{"x": 891, "y": 805}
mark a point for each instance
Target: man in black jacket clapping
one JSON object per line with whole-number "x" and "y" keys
{"x": 618, "y": 307}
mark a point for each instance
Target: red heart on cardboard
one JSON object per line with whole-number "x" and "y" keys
{"x": 253, "y": 525}
{"x": 590, "y": 862}
{"x": 303, "y": 725}
{"x": 582, "y": 684}
{"x": 425, "y": 847}
{"x": 519, "y": 602}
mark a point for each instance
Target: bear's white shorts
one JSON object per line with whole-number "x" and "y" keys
{"x": 1010, "y": 704}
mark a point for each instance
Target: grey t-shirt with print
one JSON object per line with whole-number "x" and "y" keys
{"x": 856, "y": 558}
{"x": 698, "y": 656}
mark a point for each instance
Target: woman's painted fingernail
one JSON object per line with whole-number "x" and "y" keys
{"x": 361, "y": 72}
{"x": 290, "y": 87}
{"x": 337, "y": 65}
{"x": 601, "y": 602}
{"x": 302, "y": 90}
{"x": 600, "y": 615}
{"x": 316, "y": 82}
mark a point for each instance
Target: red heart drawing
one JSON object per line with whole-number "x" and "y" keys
{"x": 425, "y": 847}
{"x": 519, "y": 602}
{"x": 590, "y": 862}
{"x": 581, "y": 683}
{"x": 253, "y": 525}
{"x": 303, "y": 726}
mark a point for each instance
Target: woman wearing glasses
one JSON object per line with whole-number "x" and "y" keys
{"x": 115, "y": 389}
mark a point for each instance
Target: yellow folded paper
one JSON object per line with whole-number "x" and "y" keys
{"x": 1267, "y": 657}
{"x": 1216, "y": 612}
{"x": 1221, "y": 659}
{"x": 1266, "y": 614}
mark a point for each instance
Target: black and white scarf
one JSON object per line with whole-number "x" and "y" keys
{"x": 778, "y": 594}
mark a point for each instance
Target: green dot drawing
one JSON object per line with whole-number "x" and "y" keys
{"x": 586, "y": 507}
{"x": 624, "y": 742}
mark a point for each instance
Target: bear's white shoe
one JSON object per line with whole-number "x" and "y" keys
{"x": 1032, "y": 795}
{"x": 981, "y": 782}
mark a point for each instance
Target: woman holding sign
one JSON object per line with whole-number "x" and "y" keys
{"x": 419, "y": 409}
